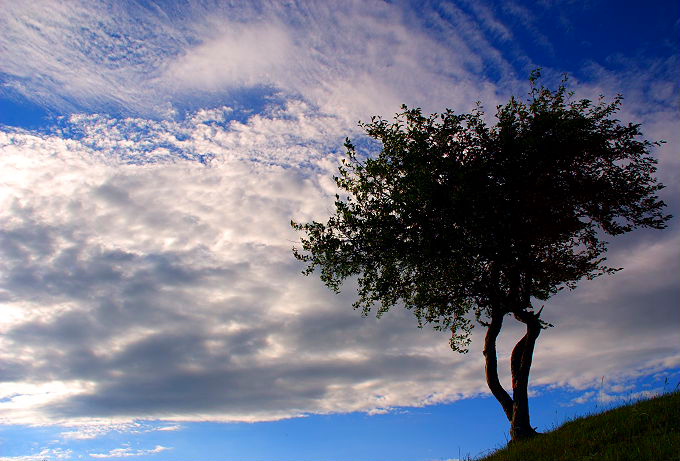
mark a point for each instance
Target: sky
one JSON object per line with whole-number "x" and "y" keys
{"x": 152, "y": 155}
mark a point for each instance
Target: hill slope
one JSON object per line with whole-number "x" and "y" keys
{"x": 645, "y": 430}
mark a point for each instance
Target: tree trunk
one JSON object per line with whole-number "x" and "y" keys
{"x": 520, "y": 366}
{"x": 491, "y": 362}
{"x": 516, "y": 408}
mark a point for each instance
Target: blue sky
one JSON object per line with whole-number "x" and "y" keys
{"x": 152, "y": 155}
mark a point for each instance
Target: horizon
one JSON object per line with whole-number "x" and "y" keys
{"x": 152, "y": 156}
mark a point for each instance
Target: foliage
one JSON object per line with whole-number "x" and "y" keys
{"x": 456, "y": 219}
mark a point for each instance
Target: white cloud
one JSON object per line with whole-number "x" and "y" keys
{"x": 234, "y": 55}
{"x": 94, "y": 430}
{"x": 127, "y": 452}
{"x": 43, "y": 455}
{"x": 149, "y": 60}
{"x": 583, "y": 398}
{"x": 606, "y": 398}
{"x": 161, "y": 271}
{"x": 173, "y": 428}
{"x": 83, "y": 53}
{"x": 154, "y": 283}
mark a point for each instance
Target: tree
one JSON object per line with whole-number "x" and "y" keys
{"x": 465, "y": 223}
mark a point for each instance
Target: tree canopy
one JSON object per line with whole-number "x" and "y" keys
{"x": 462, "y": 221}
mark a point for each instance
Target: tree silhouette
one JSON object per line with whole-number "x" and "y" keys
{"x": 462, "y": 222}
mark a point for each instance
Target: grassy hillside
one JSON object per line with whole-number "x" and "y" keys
{"x": 645, "y": 430}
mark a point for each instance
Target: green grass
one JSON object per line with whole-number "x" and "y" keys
{"x": 647, "y": 430}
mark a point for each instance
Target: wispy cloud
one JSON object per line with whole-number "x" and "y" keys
{"x": 93, "y": 430}
{"x": 149, "y": 59}
{"x": 82, "y": 53}
{"x": 44, "y": 454}
{"x": 127, "y": 452}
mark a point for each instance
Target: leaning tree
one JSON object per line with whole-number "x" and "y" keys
{"x": 463, "y": 223}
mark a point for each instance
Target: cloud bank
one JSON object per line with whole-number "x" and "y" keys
{"x": 137, "y": 282}
{"x": 145, "y": 263}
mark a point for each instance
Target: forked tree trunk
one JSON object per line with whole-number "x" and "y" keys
{"x": 516, "y": 408}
